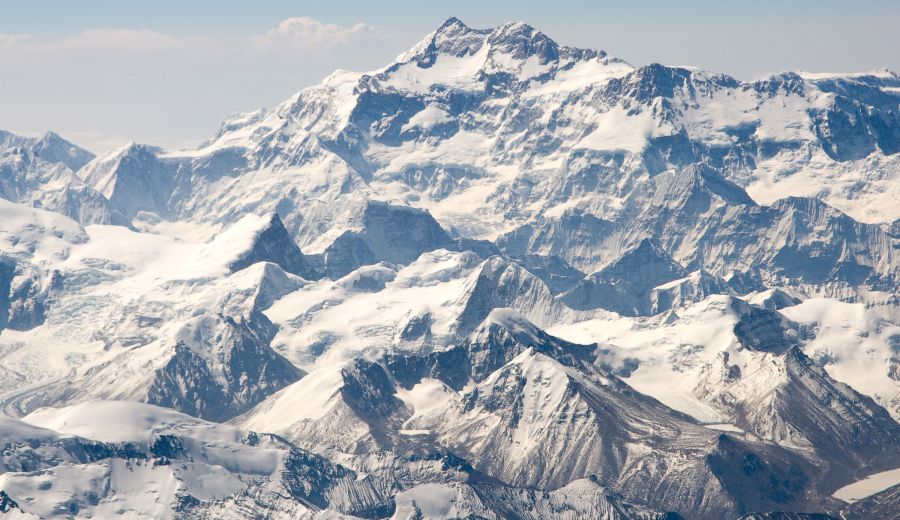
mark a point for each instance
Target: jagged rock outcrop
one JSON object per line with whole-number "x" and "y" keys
{"x": 225, "y": 377}
{"x": 25, "y": 294}
{"x": 765, "y": 330}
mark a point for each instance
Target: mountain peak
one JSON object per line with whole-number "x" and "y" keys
{"x": 51, "y": 147}
{"x": 513, "y": 322}
{"x": 522, "y": 41}
{"x": 271, "y": 242}
{"x": 514, "y": 29}
{"x": 50, "y": 135}
{"x": 453, "y": 37}
{"x": 515, "y": 39}
{"x": 648, "y": 249}
{"x": 452, "y": 22}
{"x": 643, "y": 263}
{"x": 129, "y": 149}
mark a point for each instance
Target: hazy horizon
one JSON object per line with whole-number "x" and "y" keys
{"x": 102, "y": 74}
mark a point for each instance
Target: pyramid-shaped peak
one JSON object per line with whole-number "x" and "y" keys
{"x": 506, "y": 334}
{"x": 646, "y": 261}
{"x": 453, "y": 38}
{"x": 453, "y": 28}
{"x": 269, "y": 241}
{"x": 647, "y": 248}
{"x": 50, "y": 135}
{"x": 452, "y": 23}
{"x": 514, "y": 323}
{"x": 129, "y": 149}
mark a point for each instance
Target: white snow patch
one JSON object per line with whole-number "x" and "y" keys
{"x": 427, "y": 118}
{"x": 432, "y": 500}
{"x": 868, "y": 486}
{"x": 426, "y": 396}
{"x": 724, "y": 427}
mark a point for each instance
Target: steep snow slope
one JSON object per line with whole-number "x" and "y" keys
{"x": 785, "y": 398}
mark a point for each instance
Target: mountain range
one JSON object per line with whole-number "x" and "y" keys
{"x": 497, "y": 278}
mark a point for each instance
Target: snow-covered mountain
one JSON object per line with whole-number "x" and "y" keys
{"x": 497, "y": 278}
{"x": 40, "y": 172}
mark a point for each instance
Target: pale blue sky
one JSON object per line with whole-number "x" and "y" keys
{"x": 164, "y": 72}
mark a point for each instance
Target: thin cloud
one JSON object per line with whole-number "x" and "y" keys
{"x": 308, "y": 36}
{"x": 130, "y": 40}
{"x": 168, "y": 89}
{"x": 8, "y": 40}
{"x": 294, "y": 37}
{"x": 94, "y": 46}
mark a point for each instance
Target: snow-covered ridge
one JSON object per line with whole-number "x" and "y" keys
{"x": 120, "y": 458}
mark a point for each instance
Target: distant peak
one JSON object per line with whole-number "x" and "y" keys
{"x": 647, "y": 253}
{"x": 123, "y": 149}
{"x": 510, "y": 319}
{"x": 517, "y": 40}
{"x": 516, "y": 31}
{"x": 133, "y": 148}
{"x": 50, "y": 135}
{"x": 514, "y": 28}
{"x": 649, "y": 248}
{"x": 453, "y": 28}
{"x": 648, "y": 245}
{"x": 509, "y": 322}
{"x": 452, "y": 22}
